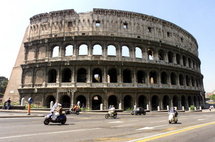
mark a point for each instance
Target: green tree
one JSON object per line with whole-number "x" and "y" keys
{"x": 212, "y": 97}
{"x": 3, "y": 84}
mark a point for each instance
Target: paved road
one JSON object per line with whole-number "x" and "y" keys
{"x": 87, "y": 127}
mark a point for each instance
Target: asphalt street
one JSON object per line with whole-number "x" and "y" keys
{"x": 93, "y": 127}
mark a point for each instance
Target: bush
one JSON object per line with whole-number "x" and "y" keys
{"x": 192, "y": 107}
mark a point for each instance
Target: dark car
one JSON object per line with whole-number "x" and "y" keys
{"x": 138, "y": 111}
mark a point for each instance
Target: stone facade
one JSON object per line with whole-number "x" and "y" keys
{"x": 109, "y": 57}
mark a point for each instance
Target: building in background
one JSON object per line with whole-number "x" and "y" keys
{"x": 107, "y": 57}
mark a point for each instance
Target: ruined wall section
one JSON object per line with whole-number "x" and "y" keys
{"x": 16, "y": 74}
{"x": 107, "y": 22}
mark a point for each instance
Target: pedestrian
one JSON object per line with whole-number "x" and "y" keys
{"x": 8, "y": 104}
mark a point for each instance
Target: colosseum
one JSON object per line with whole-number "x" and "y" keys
{"x": 107, "y": 57}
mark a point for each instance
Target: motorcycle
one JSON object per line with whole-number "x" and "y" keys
{"x": 72, "y": 111}
{"x": 111, "y": 115}
{"x": 51, "y": 118}
{"x": 172, "y": 118}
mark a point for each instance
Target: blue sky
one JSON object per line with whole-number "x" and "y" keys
{"x": 195, "y": 16}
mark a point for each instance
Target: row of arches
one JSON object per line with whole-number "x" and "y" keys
{"x": 127, "y": 76}
{"x": 125, "y": 51}
{"x": 136, "y": 52}
{"x": 128, "y": 101}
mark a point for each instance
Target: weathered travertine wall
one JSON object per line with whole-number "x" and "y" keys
{"x": 110, "y": 23}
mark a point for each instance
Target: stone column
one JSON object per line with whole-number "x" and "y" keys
{"x": 90, "y": 49}
{"x": 89, "y": 80}
{"x": 104, "y": 77}
{"x": 145, "y": 55}
{"x": 104, "y": 51}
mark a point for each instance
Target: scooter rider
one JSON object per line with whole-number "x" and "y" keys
{"x": 112, "y": 110}
{"x": 173, "y": 111}
{"x": 56, "y": 110}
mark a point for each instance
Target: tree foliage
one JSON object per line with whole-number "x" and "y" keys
{"x": 3, "y": 84}
{"x": 212, "y": 97}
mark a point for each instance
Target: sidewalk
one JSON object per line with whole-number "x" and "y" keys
{"x": 21, "y": 113}
{"x": 41, "y": 113}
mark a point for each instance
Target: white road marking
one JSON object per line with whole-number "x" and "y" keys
{"x": 116, "y": 122}
{"x": 200, "y": 119}
{"x": 47, "y": 133}
{"x": 149, "y": 128}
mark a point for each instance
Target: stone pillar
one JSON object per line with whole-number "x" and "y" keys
{"x": 119, "y": 75}
{"x": 104, "y": 77}
{"x": 132, "y": 52}
{"x": 155, "y": 54}
{"x": 119, "y": 52}
{"x": 89, "y": 78}
{"x": 134, "y": 77}
{"x": 104, "y": 51}
{"x": 145, "y": 55}
{"x": 90, "y": 49}
{"x": 88, "y": 105}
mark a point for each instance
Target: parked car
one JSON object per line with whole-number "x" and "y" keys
{"x": 138, "y": 111}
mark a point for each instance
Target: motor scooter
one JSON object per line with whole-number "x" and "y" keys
{"x": 111, "y": 115}
{"x": 72, "y": 111}
{"x": 172, "y": 118}
{"x": 51, "y": 118}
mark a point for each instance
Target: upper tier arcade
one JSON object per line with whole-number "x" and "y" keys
{"x": 106, "y": 22}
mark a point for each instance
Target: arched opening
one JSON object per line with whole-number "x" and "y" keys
{"x": 181, "y": 79}
{"x": 178, "y": 58}
{"x": 189, "y": 62}
{"x": 187, "y": 80}
{"x": 190, "y": 101}
{"x": 112, "y": 101}
{"x": 161, "y": 55}
{"x": 192, "y": 81}
{"x": 83, "y": 49}
{"x": 97, "y": 49}
{"x": 141, "y": 77}
{"x": 66, "y": 75}
{"x": 150, "y": 54}
{"x": 127, "y": 102}
{"x": 126, "y": 76}
{"x": 55, "y": 51}
{"x": 170, "y": 57}
{"x": 142, "y": 101}
{"x": 138, "y": 52}
{"x": 173, "y": 79}
{"x": 183, "y": 101}
{"x": 154, "y": 102}
{"x": 195, "y": 101}
{"x": 111, "y": 50}
{"x": 96, "y": 101}
{"x": 163, "y": 78}
{"x": 82, "y": 75}
{"x": 125, "y": 51}
{"x": 184, "y": 60}
{"x": 82, "y": 101}
{"x": 65, "y": 101}
{"x": 52, "y": 76}
{"x": 68, "y": 50}
{"x": 48, "y": 101}
{"x": 112, "y": 76}
{"x": 97, "y": 75}
{"x": 166, "y": 102}
{"x": 152, "y": 77}
{"x": 175, "y": 101}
